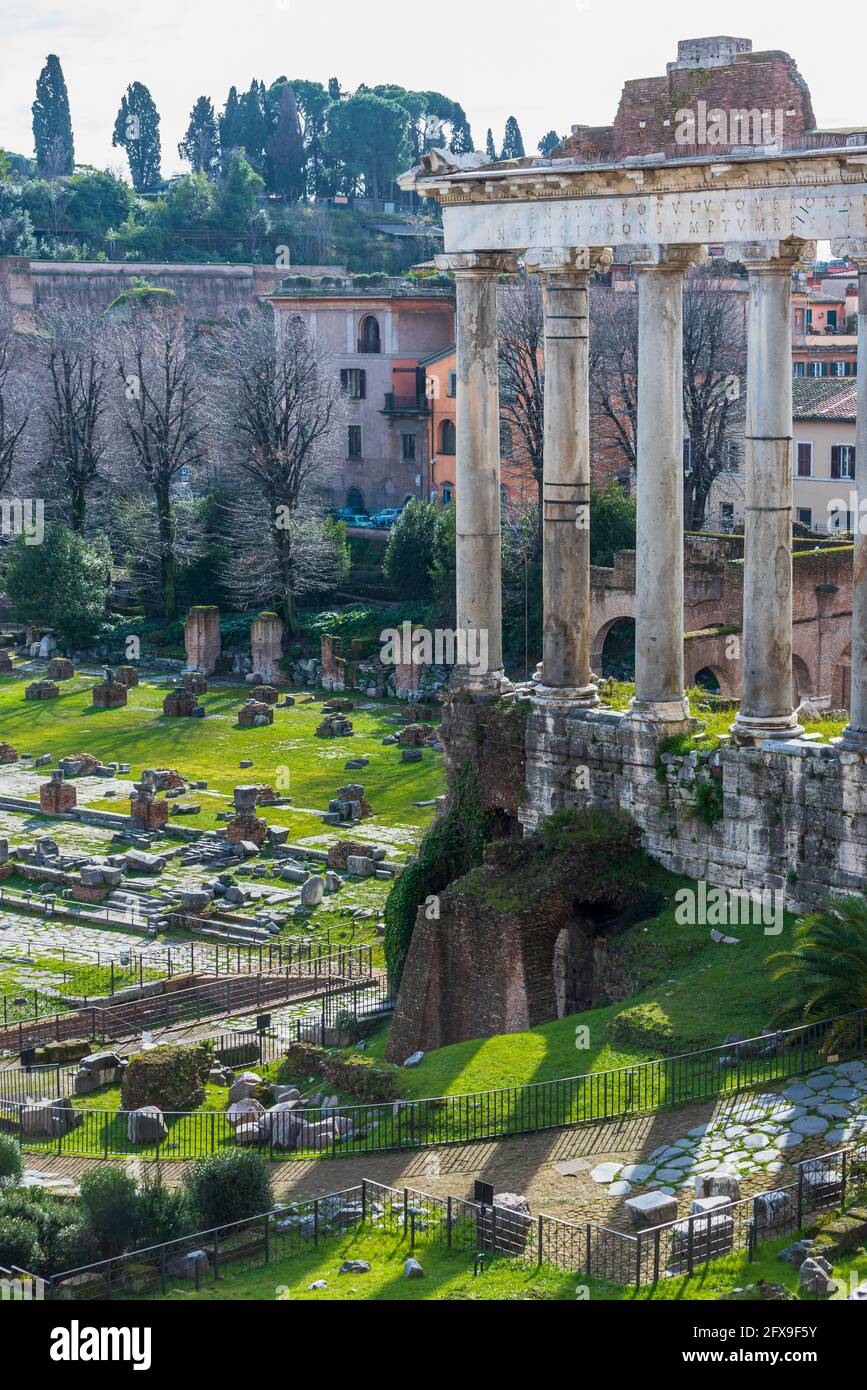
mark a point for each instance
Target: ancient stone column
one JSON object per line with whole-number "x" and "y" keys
{"x": 202, "y": 639}
{"x": 477, "y": 480}
{"x": 855, "y": 734}
{"x": 659, "y": 672}
{"x": 565, "y": 674}
{"x": 767, "y": 705}
{"x": 266, "y": 645}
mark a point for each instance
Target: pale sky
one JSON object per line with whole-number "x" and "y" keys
{"x": 551, "y": 64}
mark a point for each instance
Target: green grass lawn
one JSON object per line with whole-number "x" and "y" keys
{"x": 716, "y": 722}
{"x": 451, "y": 1276}
{"x": 287, "y": 754}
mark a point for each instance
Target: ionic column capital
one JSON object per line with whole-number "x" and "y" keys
{"x": 662, "y": 256}
{"x": 477, "y": 265}
{"x": 854, "y": 249}
{"x": 771, "y": 257}
{"x": 568, "y": 260}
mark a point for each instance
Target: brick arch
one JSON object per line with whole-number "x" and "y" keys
{"x": 614, "y": 616}
{"x": 802, "y": 679}
{"x": 841, "y": 684}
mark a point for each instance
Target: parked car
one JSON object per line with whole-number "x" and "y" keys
{"x": 343, "y": 514}
{"x": 358, "y": 520}
{"x": 385, "y": 519}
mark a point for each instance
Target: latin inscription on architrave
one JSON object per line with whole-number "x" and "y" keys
{"x": 730, "y": 215}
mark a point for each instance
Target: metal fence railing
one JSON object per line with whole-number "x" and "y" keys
{"x": 231, "y": 993}
{"x": 484, "y": 1115}
{"x": 90, "y": 976}
{"x": 679, "y": 1248}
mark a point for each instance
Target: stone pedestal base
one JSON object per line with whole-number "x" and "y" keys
{"x": 42, "y": 690}
{"x": 246, "y": 828}
{"x": 127, "y": 675}
{"x": 660, "y": 711}
{"x": 748, "y": 732}
{"x": 110, "y": 695}
{"x": 586, "y": 697}
{"x": 266, "y": 694}
{"x": 854, "y": 740}
{"x": 180, "y": 704}
{"x": 152, "y": 815}
{"x": 471, "y": 685}
{"x": 196, "y": 684}
{"x": 255, "y": 715}
{"x": 56, "y": 797}
{"x": 6, "y": 663}
{"x": 60, "y": 669}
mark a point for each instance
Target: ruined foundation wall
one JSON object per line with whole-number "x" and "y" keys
{"x": 792, "y": 816}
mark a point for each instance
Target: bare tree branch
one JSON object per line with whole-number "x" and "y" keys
{"x": 279, "y": 410}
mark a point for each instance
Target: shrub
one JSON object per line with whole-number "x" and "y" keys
{"x": 239, "y": 1055}
{"x": 44, "y": 1213}
{"x": 409, "y": 554}
{"x": 453, "y": 845}
{"x": 65, "y": 580}
{"x": 227, "y": 1187}
{"x": 644, "y": 1026}
{"x": 349, "y": 1072}
{"x": 19, "y": 1243}
{"x": 74, "y": 1245}
{"x": 171, "y": 1077}
{"x": 163, "y": 1213}
{"x": 11, "y": 1165}
{"x": 108, "y": 1209}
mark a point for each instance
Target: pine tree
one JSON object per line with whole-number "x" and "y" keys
{"x": 334, "y": 88}
{"x": 52, "y": 123}
{"x": 137, "y": 130}
{"x": 201, "y": 144}
{"x": 231, "y": 133}
{"x": 462, "y": 139}
{"x": 490, "y": 147}
{"x": 549, "y": 142}
{"x": 513, "y": 144}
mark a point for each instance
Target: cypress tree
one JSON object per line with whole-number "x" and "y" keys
{"x": 52, "y": 123}
{"x": 513, "y": 144}
{"x": 137, "y": 130}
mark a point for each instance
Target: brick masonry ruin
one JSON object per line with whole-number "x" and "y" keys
{"x": 202, "y": 639}
{"x": 181, "y": 703}
{"x": 266, "y": 646}
{"x": 57, "y": 796}
{"x": 110, "y": 694}
{"x": 722, "y": 72}
{"x": 60, "y": 668}
{"x": 713, "y": 612}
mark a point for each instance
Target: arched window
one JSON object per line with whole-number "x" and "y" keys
{"x": 506, "y": 441}
{"x": 355, "y": 501}
{"x": 448, "y": 437}
{"x": 368, "y": 337}
{"x": 447, "y": 492}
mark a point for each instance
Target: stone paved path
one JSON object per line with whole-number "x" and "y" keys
{"x": 552, "y": 1169}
